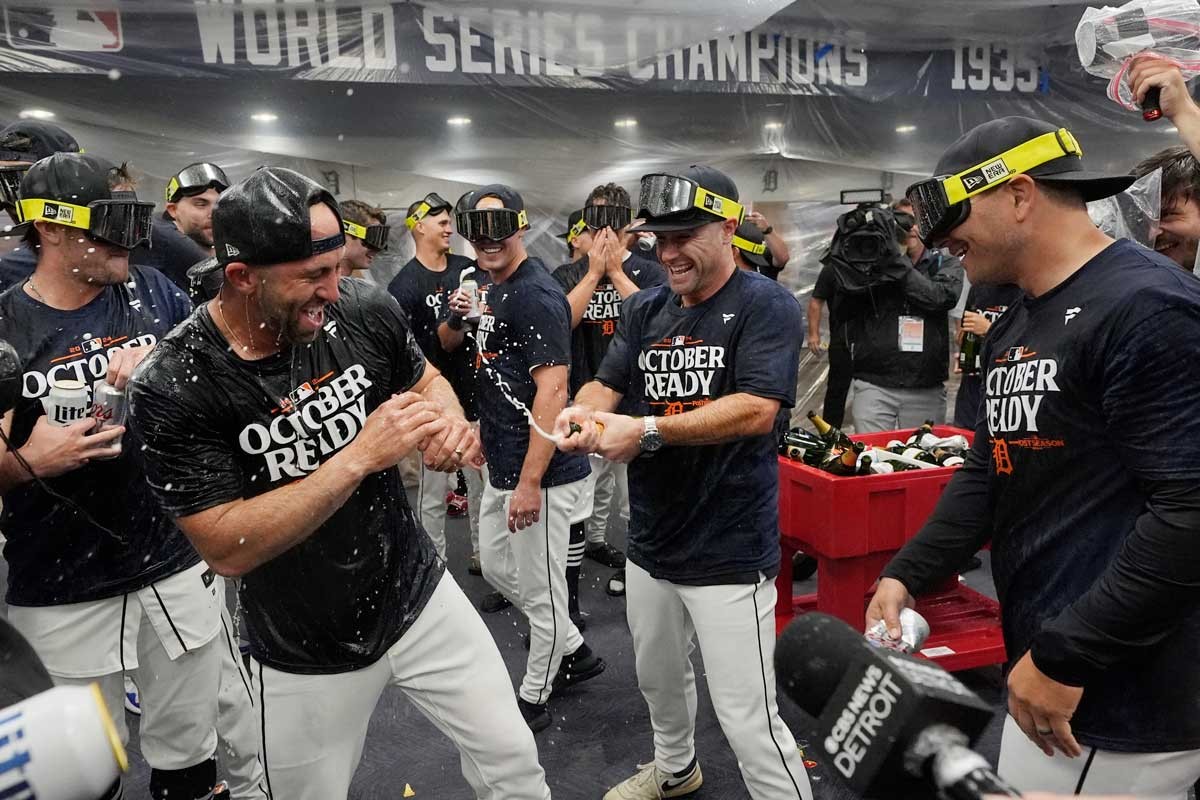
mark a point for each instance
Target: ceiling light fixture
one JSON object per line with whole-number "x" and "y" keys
{"x": 905, "y": 128}
{"x": 264, "y": 116}
{"x": 36, "y": 113}
{"x": 773, "y": 126}
{"x": 629, "y": 122}
{"x": 459, "y": 121}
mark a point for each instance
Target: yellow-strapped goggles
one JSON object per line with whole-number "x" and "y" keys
{"x": 662, "y": 195}
{"x": 490, "y": 224}
{"x": 432, "y": 204}
{"x": 747, "y": 246}
{"x": 576, "y": 229}
{"x": 941, "y": 204}
{"x": 124, "y": 223}
{"x": 375, "y": 236}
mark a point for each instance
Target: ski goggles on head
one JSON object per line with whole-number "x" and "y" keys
{"x": 432, "y": 204}
{"x": 492, "y": 224}
{"x": 576, "y": 229}
{"x": 600, "y": 217}
{"x": 120, "y": 222}
{"x": 195, "y": 179}
{"x": 943, "y": 203}
{"x": 10, "y": 184}
{"x": 747, "y": 246}
{"x": 374, "y": 236}
{"x": 670, "y": 194}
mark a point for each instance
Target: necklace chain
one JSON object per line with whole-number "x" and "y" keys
{"x": 228, "y": 327}
{"x": 34, "y": 289}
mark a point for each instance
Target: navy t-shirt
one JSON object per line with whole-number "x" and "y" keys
{"x": 170, "y": 252}
{"x": 1090, "y": 397}
{"x": 526, "y": 323}
{"x": 55, "y": 554}
{"x": 219, "y": 429}
{"x": 16, "y": 265}
{"x": 590, "y": 339}
{"x": 424, "y": 295}
{"x": 706, "y": 514}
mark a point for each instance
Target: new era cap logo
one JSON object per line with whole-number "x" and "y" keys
{"x": 972, "y": 181}
{"x": 60, "y": 213}
{"x": 986, "y": 175}
{"x": 230, "y": 250}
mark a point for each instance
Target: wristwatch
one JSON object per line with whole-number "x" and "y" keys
{"x": 651, "y": 441}
{"x": 767, "y": 231}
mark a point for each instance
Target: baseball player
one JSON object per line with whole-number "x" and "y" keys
{"x": 704, "y": 365}
{"x": 100, "y": 581}
{"x": 424, "y": 288}
{"x": 274, "y": 419}
{"x": 523, "y": 342}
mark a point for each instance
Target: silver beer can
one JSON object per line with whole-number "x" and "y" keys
{"x": 66, "y": 403}
{"x": 914, "y": 630}
{"x": 108, "y": 408}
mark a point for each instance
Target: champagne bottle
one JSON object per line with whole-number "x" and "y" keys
{"x": 800, "y": 445}
{"x": 864, "y": 466}
{"x": 968, "y": 354}
{"x": 833, "y": 436}
{"x": 845, "y": 462}
{"x": 924, "y": 430}
{"x": 917, "y": 454}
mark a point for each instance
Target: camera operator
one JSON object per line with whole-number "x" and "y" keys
{"x": 893, "y": 294}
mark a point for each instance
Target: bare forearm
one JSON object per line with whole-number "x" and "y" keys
{"x": 451, "y": 339}
{"x": 622, "y": 283}
{"x": 580, "y": 296}
{"x": 726, "y": 419}
{"x": 240, "y": 536}
{"x": 547, "y": 405}
{"x": 441, "y": 393}
{"x": 598, "y": 397}
{"x": 779, "y": 249}
{"x": 814, "y": 317}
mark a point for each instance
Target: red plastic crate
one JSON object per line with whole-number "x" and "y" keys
{"x": 855, "y": 516}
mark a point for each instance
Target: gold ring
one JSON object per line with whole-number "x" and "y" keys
{"x": 458, "y": 453}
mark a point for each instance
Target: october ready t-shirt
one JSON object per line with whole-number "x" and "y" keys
{"x": 706, "y": 514}
{"x": 219, "y": 429}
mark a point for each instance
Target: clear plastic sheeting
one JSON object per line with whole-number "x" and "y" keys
{"x": 1109, "y": 38}
{"x": 1134, "y": 213}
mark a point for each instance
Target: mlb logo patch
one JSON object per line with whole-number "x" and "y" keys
{"x": 301, "y": 393}
{"x": 678, "y": 341}
{"x": 79, "y": 28}
{"x": 91, "y": 345}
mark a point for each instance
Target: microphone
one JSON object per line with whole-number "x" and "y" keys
{"x": 891, "y": 724}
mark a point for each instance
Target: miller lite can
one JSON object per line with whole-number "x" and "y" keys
{"x": 66, "y": 403}
{"x": 914, "y": 630}
{"x": 108, "y": 408}
{"x": 471, "y": 289}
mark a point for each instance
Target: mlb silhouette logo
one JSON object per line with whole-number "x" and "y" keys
{"x": 678, "y": 341}
{"x": 92, "y": 29}
{"x": 91, "y": 345}
{"x": 301, "y": 393}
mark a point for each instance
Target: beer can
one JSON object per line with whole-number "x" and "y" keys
{"x": 62, "y": 744}
{"x": 471, "y": 289}
{"x": 108, "y": 408}
{"x": 914, "y": 630}
{"x": 66, "y": 403}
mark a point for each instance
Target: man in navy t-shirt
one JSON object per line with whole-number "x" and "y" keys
{"x": 100, "y": 580}
{"x": 523, "y": 342}
{"x": 705, "y": 364}
{"x": 1085, "y": 471}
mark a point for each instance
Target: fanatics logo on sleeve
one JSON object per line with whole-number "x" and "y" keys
{"x": 1071, "y": 314}
{"x": 726, "y": 317}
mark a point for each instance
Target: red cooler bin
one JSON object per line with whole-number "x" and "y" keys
{"x": 853, "y": 526}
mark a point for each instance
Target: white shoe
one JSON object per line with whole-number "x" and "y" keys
{"x": 651, "y": 783}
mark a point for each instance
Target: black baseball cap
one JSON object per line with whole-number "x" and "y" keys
{"x": 29, "y": 140}
{"x": 265, "y": 219}
{"x": 749, "y": 232}
{"x": 708, "y": 178}
{"x": 506, "y": 194}
{"x": 997, "y": 136}
{"x": 573, "y": 219}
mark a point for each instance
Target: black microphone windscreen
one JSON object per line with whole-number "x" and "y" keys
{"x": 812, "y": 655}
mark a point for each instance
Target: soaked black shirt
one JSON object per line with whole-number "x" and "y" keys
{"x": 1085, "y": 472}
{"x": 590, "y": 339}
{"x": 218, "y": 429}
{"x": 55, "y": 554}
{"x": 424, "y": 295}
{"x": 706, "y": 514}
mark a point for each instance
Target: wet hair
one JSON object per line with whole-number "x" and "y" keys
{"x": 611, "y": 194}
{"x": 361, "y": 213}
{"x": 1180, "y": 173}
